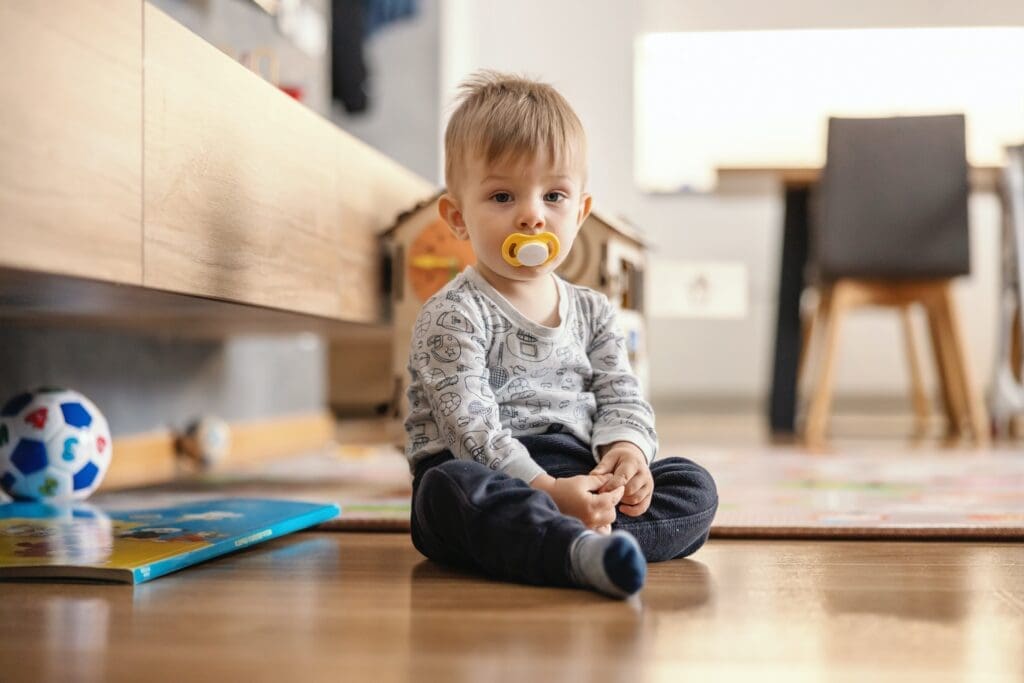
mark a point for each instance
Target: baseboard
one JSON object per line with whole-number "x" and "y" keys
{"x": 140, "y": 459}
{"x": 372, "y": 430}
{"x": 150, "y": 458}
{"x": 867, "y": 404}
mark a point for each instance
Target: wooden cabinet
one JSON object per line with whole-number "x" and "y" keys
{"x": 71, "y": 138}
{"x": 239, "y": 181}
{"x": 134, "y": 152}
{"x": 251, "y": 197}
{"x": 372, "y": 190}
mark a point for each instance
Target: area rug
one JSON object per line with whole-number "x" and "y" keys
{"x": 763, "y": 493}
{"x": 868, "y": 494}
{"x": 371, "y": 484}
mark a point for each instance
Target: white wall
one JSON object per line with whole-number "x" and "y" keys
{"x": 238, "y": 29}
{"x": 403, "y": 90}
{"x": 585, "y": 48}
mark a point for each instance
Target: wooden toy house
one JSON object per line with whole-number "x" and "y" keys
{"x": 422, "y": 256}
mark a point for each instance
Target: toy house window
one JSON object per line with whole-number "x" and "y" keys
{"x": 632, "y": 284}
{"x": 397, "y": 266}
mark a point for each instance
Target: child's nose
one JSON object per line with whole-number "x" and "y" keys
{"x": 531, "y": 219}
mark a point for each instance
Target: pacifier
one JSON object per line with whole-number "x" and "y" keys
{"x": 529, "y": 250}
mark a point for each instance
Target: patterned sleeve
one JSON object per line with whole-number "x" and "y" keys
{"x": 622, "y": 413}
{"x": 451, "y": 403}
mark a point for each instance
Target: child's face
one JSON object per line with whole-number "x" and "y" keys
{"x": 529, "y": 196}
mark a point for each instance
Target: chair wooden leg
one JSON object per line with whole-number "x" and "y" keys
{"x": 831, "y": 309}
{"x": 975, "y": 408}
{"x": 951, "y": 394}
{"x": 1015, "y": 346}
{"x": 918, "y": 395}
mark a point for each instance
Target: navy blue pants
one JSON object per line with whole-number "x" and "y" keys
{"x": 468, "y": 516}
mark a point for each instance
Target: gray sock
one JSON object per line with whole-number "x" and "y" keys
{"x": 613, "y": 564}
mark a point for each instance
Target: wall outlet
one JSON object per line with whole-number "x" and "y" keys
{"x": 697, "y": 289}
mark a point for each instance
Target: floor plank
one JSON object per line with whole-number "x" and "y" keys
{"x": 331, "y": 606}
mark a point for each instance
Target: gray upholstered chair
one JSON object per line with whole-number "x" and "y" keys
{"x": 889, "y": 228}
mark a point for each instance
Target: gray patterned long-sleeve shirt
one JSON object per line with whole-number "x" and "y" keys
{"x": 483, "y": 374}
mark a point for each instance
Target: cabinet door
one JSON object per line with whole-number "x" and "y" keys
{"x": 239, "y": 181}
{"x": 71, "y": 138}
{"x": 244, "y": 198}
{"x": 371, "y": 191}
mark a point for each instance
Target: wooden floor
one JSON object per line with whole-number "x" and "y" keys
{"x": 345, "y": 607}
{"x": 354, "y": 607}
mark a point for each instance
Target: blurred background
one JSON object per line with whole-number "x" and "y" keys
{"x": 694, "y": 111}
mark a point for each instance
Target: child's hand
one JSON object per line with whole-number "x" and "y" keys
{"x": 628, "y": 468}
{"x": 579, "y": 497}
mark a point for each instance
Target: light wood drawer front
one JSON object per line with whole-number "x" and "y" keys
{"x": 239, "y": 182}
{"x": 372, "y": 190}
{"x": 71, "y": 138}
{"x": 245, "y": 197}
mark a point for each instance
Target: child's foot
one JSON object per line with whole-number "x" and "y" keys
{"x": 612, "y": 564}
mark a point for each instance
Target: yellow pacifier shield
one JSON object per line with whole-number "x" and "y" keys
{"x": 529, "y": 250}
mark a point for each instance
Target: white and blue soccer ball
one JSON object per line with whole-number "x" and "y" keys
{"x": 54, "y": 446}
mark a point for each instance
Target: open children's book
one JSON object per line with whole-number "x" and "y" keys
{"x": 39, "y": 540}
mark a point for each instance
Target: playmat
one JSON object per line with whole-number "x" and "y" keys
{"x": 869, "y": 495}
{"x": 372, "y": 485}
{"x": 763, "y": 493}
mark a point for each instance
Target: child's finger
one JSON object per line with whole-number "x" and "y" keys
{"x": 604, "y": 518}
{"x": 606, "y": 466}
{"x": 636, "y": 509}
{"x": 633, "y": 499}
{"x": 636, "y": 486}
{"x": 622, "y": 476}
{"x": 610, "y": 498}
{"x": 614, "y": 482}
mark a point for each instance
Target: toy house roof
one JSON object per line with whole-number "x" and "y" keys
{"x": 408, "y": 213}
{"x": 617, "y": 224}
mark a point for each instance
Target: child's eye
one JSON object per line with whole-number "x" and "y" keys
{"x": 502, "y": 197}
{"x": 554, "y": 196}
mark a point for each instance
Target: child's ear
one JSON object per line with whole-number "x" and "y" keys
{"x": 451, "y": 214}
{"x": 585, "y": 202}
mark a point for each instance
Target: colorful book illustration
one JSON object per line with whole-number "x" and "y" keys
{"x": 39, "y": 540}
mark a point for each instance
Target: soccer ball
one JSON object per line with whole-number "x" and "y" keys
{"x": 54, "y": 446}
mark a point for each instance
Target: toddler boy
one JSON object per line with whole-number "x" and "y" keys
{"x": 530, "y": 443}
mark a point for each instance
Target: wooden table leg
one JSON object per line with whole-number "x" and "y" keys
{"x": 783, "y": 399}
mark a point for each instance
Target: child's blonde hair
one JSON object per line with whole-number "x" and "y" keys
{"x": 504, "y": 117}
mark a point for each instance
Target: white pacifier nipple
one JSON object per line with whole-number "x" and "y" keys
{"x": 532, "y": 253}
{"x": 529, "y": 250}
